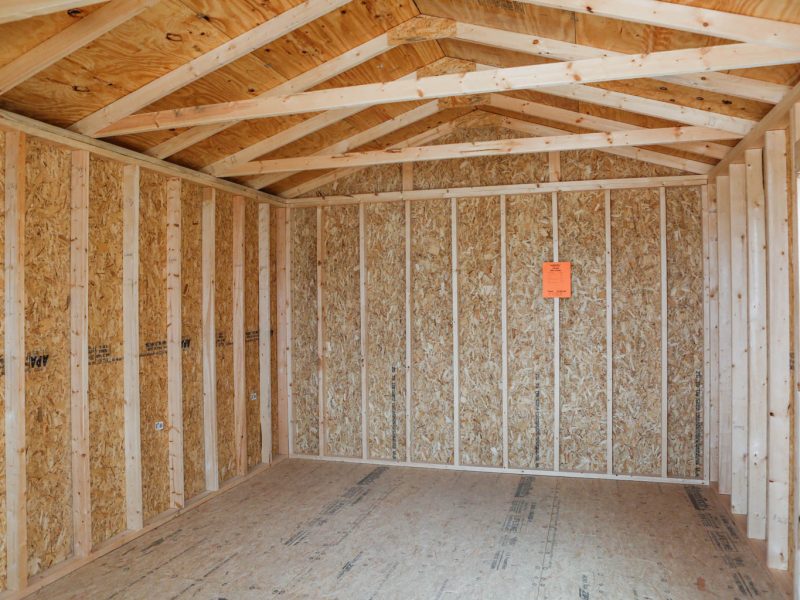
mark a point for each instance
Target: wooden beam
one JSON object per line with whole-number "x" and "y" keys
{"x": 714, "y": 23}
{"x": 713, "y": 327}
{"x": 779, "y": 348}
{"x": 134, "y": 516}
{"x": 208, "y": 255}
{"x": 283, "y": 300}
{"x": 757, "y": 346}
{"x": 739, "y": 366}
{"x": 322, "y": 376}
{"x": 587, "y": 121}
{"x": 504, "y": 310}
{"x": 456, "y": 362}
{"x": 662, "y": 219}
{"x": 265, "y": 332}
{"x": 174, "y": 346}
{"x": 408, "y": 185}
{"x": 239, "y": 370}
{"x": 719, "y": 83}
{"x": 16, "y": 10}
{"x": 724, "y": 257}
{"x": 511, "y": 189}
{"x": 83, "y": 32}
{"x": 79, "y": 354}
{"x": 777, "y": 118}
{"x": 556, "y": 346}
{"x": 634, "y": 137}
{"x": 16, "y": 453}
{"x": 209, "y": 62}
{"x": 593, "y": 70}
{"x": 641, "y": 154}
{"x": 794, "y": 138}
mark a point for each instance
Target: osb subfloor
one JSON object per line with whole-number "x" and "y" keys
{"x": 309, "y": 529}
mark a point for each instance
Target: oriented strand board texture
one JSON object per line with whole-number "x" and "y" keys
{"x": 581, "y": 241}
{"x": 152, "y": 342}
{"x": 685, "y": 383}
{"x": 485, "y": 170}
{"x": 431, "y": 333}
{"x": 192, "y": 338}
{"x": 47, "y": 348}
{"x": 342, "y": 322}
{"x": 380, "y": 178}
{"x": 386, "y": 330}
{"x": 223, "y": 298}
{"x": 529, "y": 235}
{"x": 273, "y": 309}
{"x": 252, "y": 393}
{"x": 305, "y": 399}
{"x": 480, "y": 332}
{"x": 106, "y": 389}
{"x": 2, "y": 367}
{"x": 636, "y": 301}
{"x": 581, "y": 165}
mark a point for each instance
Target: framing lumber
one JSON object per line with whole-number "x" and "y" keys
{"x": 724, "y": 258}
{"x": 282, "y": 327}
{"x": 504, "y": 322}
{"x": 322, "y": 376}
{"x": 739, "y": 373}
{"x": 456, "y": 365}
{"x": 208, "y": 253}
{"x": 239, "y": 369}
{"x": 556, "y": 349}
{"x": 134, "y": 515}
{"x": 779, "y": 347}
{"x": 408, "y": 185}
{"x": 236, "y": 48}
{"x": 16, "y": 453}
{"x": 704, "y": 21}
{"x": 285, "y": 252}
{"x": 265, "y": 332}
{"x": 88, "y": 29}
{"x": 794, "y": 138}
{"x": 362, "y": 307}
{"x": 706, "y": 330}
{"x": 634, "y": 137}
{"x": 593, "y": 70}
{"x": 662, "y": 234}
{"x": 609, "y": 339}
{"x": 757, "y": 346}
{"x": 79, "y": 354}
{"x": 16, "y": 10}
{"x": 713, "y": 327}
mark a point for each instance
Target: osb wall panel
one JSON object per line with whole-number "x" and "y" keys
{"x": 480, "y": 332}
{"x": 252, "y": 371}
{"x": 305, "y": 398}
{"x": 223, "y": 299}
{"x": 386, "y": 330}
{"x": 581, "y": 241}
{"x": 636, "y": 301}
{"x": 342, "y": 321}
{"x": 192, "y": 337}
{"x": 152, "y": 342}
{"x": 2, "y": 369}
{"x": 431, "y": 333}
{"x": 380, "y": 178}
{"x": 273, "y": 308}
{"x": 581, "y": 165}
{"x": 487, "y": 170}
{"x": 529, "y": 240}
{"x": 106, "y": 391}
{"x": 47, "y": 348}
{"x": 685, "y": 383}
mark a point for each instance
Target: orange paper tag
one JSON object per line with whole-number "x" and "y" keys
{"x": 557, "y": 279}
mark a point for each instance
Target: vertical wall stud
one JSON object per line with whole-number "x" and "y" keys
{"x": 504, "y": 324}
{"x": 130, "y": 319}
{"x": 662, "y": 195}
{"x": 362, "y": 274}
{"x": 706, "y": 329}
{"x": 209, "y": 340}
{"x": 795, "y": 200}
{"x": 778, "y": 348}
{"x": 739, "y": 392}
{"x": 239, "y": 370}
{"x": 264, "y": 333}
{"x": 286, "y": 266}
{"x": 321, "y": 355}
{"x": 757, "y": 347}
{"x": 712, "y": 416}
{"x": 408, "y": 184}
{"x": 556, "y": 353}
{"x": 174, "y": 337}
{"x": 454, "y": 286}
{"x": 609, "y": 344}
{"x": 16, "y": 483}
{"x": 79, "y": 354}
{"x": 724, "y": 257}
{"x": 282, "y": 298}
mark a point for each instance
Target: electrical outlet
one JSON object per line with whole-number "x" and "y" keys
{"x": 159, "y": 425}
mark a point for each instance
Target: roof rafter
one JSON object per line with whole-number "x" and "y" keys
{"x": 673, "y": 62}
{"x": 16, "y": 10}
{"x": 71, "y": 39}
{"x": 715, "y": 23}
{"x": 579, "y": 141}
{"x": 259, "y": 36}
